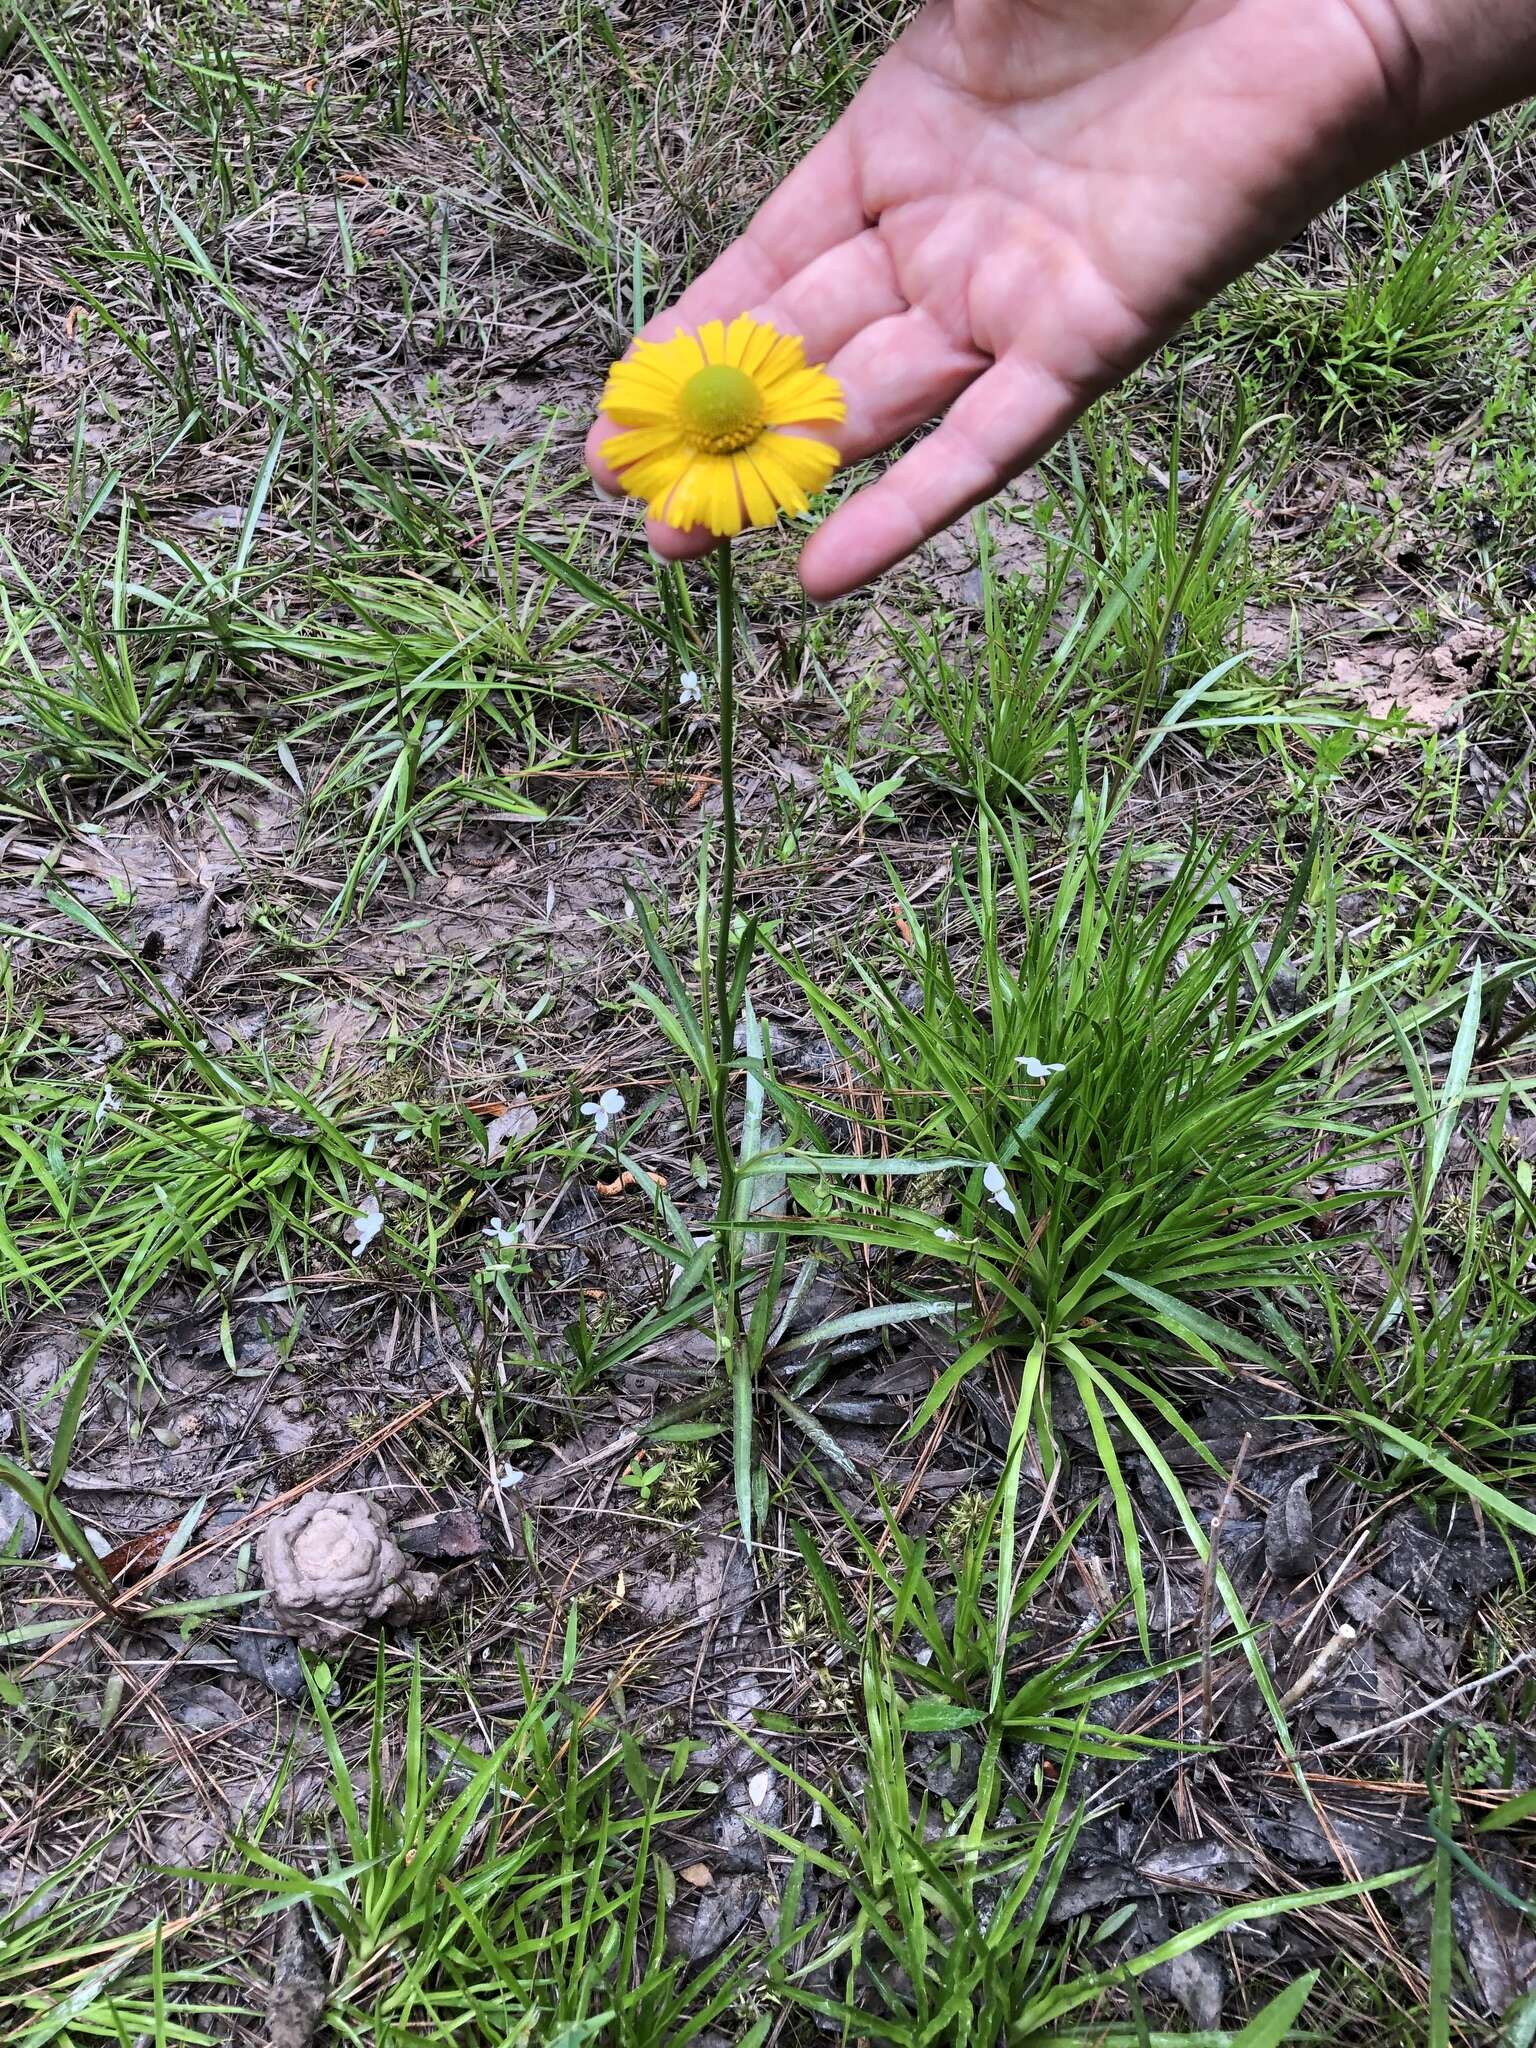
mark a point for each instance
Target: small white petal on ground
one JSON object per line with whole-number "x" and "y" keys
{"x": 366, "y": 1224}
{"x": 602, "y": 1112}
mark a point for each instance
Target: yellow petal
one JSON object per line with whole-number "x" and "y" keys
{"x": 762, "y": 506}
{"x": 627, "y": 387}
{"x": 725, "y": 517}
{"x": 805, "y": 396}
{"x": 633, "y": 415}
{"x": 810, "y": 463}
{"x": 683, "y": 352}
{"x": 757, "y": 344}
{"x": 633, "y": 395}
{"x": 712, "y": 341}
{"x": 635, "y": 380}
{"x": 707, "y": 496}
{"x": 659, "y": 502}
{"x": 663, "y": 363}
{"x": 674, "y": 507}
{"x": 778, "y": 481}
{"x": 662, "y": 367}
{"x": 625, "y": 449}
{"x": 654, "y": 476}
{"x": 739, "y": 338}
{"x": 786, "y": 356}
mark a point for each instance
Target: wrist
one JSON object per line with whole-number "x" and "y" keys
{"x": 1446, "y": 63}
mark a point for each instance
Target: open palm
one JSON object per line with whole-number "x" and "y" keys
{"x": 1022, "y": 202}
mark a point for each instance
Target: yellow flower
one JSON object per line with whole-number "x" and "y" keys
{"x": 706, "y": 415}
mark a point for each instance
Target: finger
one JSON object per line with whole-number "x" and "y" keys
{"x": 1003, "y": 422}
{"x": 818, "y": 206}
{"x": 897, "y": 373}
{"x": 678, "y": 543}
{"x": 846, "y": 290}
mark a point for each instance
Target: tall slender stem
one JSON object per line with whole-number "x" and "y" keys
{"x": 733, "y": 1347}
{"x": 725, "y": 909}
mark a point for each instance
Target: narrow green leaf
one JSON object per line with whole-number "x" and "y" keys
{"x": 1194, "y": 1324}
{"x": 819, "y": 1435}
{"x": 879, "y": 1318}
{"x": 1499, "y": 1505}
{"x": 742, "y": 1437}
{"x": 929, "y": 1716}
{"x": 1271, "y": 2027}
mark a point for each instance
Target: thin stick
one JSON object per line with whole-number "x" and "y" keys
{"x": 1341, "y": 1640}
{"x": 1459, "y": 1692}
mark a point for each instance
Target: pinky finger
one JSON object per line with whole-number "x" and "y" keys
{"x": 1002, "y": 423}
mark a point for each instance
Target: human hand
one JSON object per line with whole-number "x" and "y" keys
{"x": 1023, "y": 201}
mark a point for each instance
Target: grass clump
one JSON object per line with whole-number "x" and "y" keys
{"x": 173, "y": 1159}
{"x": 1096, "y": 1059}
{"x": 501, "y": 1895}
{"x": 1413, "y": 305}
{"x": 1001, "y": 708}
{"x": 1128, "y": 1130}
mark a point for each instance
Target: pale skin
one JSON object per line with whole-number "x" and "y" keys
{"x": 1028, "y": 197}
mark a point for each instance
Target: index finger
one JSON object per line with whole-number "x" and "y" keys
{"x": 818, "y": 205}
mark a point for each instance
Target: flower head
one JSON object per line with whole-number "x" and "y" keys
{"x": 1038, "y": 1070}
{"x": 507, "y": 1235}
{"x": 995, "y": 1181}
{"x": 706, "y": 417}
{"x": 602, "y": 1112}
{"x": 690, "y": 689}
{"x": 366, "y": 1224}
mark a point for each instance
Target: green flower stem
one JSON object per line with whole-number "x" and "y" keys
{"x": 725, "y": 911}
{"x": 734, "y": 1351}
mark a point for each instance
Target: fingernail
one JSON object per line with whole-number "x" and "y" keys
{"x": 603, "y": 491}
